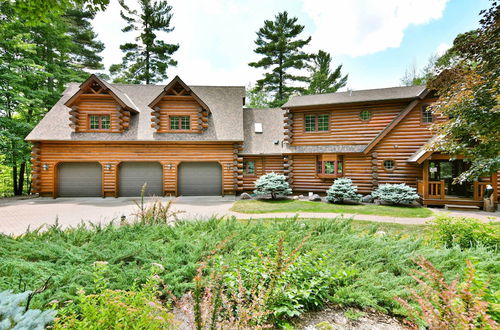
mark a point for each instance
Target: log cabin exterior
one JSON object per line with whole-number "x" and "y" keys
{"x": 106, "y": 139}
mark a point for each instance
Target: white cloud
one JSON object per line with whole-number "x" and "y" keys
{"x": 442, "y": 48}
{"x": 365, "y": 27}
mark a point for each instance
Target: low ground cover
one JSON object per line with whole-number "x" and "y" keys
{"x": 366, "y": 265}
{"x": 287, "y": 205}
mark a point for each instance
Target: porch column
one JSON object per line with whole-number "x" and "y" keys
{"x": 425, "y": 179}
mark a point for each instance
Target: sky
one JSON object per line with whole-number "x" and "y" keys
{"x": 376, "y": 41}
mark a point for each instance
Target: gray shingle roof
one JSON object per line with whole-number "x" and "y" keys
{"x": 225, "y": 122}
{"x": 368, "y": 95}
{"x": 272, "y": 122}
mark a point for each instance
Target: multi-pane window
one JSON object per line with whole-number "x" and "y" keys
{"x": 426, "y": 115}
{"x": 180, "y": 123}
{"x": 330, "y": 167}
{"x": 389, "y": 164}
{"x": 314, "y": 123}
{"x": 249, "y": 167}
{"x": 99, "y": 122}
{"x": 365, "y": 115}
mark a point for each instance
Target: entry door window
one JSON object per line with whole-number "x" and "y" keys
{"x": 448, "y": 171}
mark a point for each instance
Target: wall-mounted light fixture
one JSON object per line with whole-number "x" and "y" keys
{"x": 276, "y": 142}
{"x": 45, "y": 167}
{"x": 107, "y": 167}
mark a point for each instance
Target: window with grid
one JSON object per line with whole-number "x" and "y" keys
{"x": 365, "y": 115}
{"x": 329, "y": 167}
{"x": 249, "y": 167}
{"x": 314, "y": 123}
{"x": 100, "y": 122}
{"x": 180, "y": 123}
{"x": 426, "y": 115}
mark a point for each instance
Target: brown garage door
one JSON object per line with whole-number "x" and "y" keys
{"x": 79, "y": 180}
{"x": 133, "y": 175}
{"x": 200, "y": 179}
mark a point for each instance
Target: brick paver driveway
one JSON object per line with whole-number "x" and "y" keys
{"x": 17, "y": 215}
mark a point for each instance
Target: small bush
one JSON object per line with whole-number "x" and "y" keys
{"x": 112, "y": 309}
{"x": 273, "y": 185}
{"x": 464, "y": 232}
{"x": 396, "y": 193}
{"x": 15, "y": 316}
{"x": 445, "y": 305}
{"x": 341, "y": 190}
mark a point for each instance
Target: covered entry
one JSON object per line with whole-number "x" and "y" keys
{"x": 200, "y": 179}
{"x": 80, "y": 179}
{"x": 133, "y": 175}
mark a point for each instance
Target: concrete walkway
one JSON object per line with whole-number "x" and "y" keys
{"x": 17, "y": 215}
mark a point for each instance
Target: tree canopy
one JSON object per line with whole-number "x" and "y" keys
{"x": 146, "y": 60}
{"x": 468, "y": 88}
{"x": 323, "y": 79}
{"x": 281, "y": 48}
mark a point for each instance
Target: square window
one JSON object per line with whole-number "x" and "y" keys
{"x": 105, "y": 122}
{"x": 322, "y": 122}
{"x": 185, "y": 122}
{"x": 249, "y": 167}
{"x": 94, "y": 122}
{"x": 329, "y": 167}
{"x": 310, "y": 123}
{"x": 174, "y": 122}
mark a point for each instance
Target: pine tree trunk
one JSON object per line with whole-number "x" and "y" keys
{"x": 14, "y": 180}
{"x": 20, "y": 183}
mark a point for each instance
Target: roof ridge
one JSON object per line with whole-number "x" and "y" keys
{"x": 360, "y": 90}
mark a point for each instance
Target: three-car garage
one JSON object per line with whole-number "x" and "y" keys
{"x": 85, "y": 179}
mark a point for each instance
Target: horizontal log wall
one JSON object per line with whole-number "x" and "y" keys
{"x": 263, "y": 165}
{"x": 346, "y": 127}
{"x": 100, "y": 104}
{"x": 403, "y": 141}
{"x": 52, "y": 153}
{"x": 356, "y": 167}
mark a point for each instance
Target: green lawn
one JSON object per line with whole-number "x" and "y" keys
{"x": 293, "y": 206}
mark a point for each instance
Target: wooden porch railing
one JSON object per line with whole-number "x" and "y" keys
{"x": 479, "y": 189}
{"x": 435, "y": 189}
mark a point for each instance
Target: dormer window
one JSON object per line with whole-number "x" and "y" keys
{"x": 427, "y": 116}
{"x": 180, "y": 123}
{"x": 99, "y": 122}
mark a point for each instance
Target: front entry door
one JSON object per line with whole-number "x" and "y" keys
{"x": 448, "y": 170}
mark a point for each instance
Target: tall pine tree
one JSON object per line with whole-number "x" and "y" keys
{"x": 147, "y": 60}
{"x": 281, "y": 48}
{"x": 323, "y": 79}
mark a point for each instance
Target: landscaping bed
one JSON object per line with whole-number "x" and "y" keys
{"x": 294, "y": 206}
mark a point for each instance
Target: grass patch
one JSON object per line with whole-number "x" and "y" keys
{"x": 293, "y": 206}
{"x": 382, "y": 262}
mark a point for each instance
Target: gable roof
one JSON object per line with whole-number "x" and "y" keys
{"x": 225, "y": 121}
{"x": 422, "y": 153}
{"x": 171, "y": 84}
{"x": 119, "y": 96}
{"x": 367, "y": 95}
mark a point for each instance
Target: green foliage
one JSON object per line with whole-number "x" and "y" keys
{"x": 147, "y": 60}
{"x": 468, "y": 87}
{"x": 322, "y": 78}
{"x": 342, "y": 189}
{"x": 34, "y": 11}
{"x": 272, "y": 184}
{"x": 443, "y": 305}
{"x": 15, "y": 316}
{"x": 414, "y": 78}
{"x": 464, "y": 232}
{"x": 257, "y": 98}
{"x": 131, "y": 249}
{"x": 138, "y": 308}
{"x": 396, "y": 193}
{"x": 281, "y": 49}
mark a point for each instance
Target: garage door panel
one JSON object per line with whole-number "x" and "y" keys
{"x": 133, "y": 176}
{"x": 79, "y": 180}
{"x": 200, "y": 179}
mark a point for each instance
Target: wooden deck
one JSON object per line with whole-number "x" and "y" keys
{"x": 449, "y": 200}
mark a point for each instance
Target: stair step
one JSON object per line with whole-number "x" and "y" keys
{"x": 461, "y": 207}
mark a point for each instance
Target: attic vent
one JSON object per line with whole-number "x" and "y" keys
{"x": 258, "y": 128}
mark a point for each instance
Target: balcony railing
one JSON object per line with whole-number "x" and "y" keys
{"x": 479, "y": 187}
{"x": 434, "y": 189}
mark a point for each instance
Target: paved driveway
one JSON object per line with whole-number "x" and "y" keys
{"x": 17, "y": 215}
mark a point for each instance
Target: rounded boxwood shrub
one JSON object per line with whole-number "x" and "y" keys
{"x": 273, "y": 185}
{"x": 342, "y": 189}
{"x": 396, "y": 193}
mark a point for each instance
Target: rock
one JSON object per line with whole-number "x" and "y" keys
{"x": 295, "y": 198}
{"x": 301, "y": 196}
{"x": 245, "y": 196}
{"x": 367, "y": 199}
{"x": 315, "y": 198}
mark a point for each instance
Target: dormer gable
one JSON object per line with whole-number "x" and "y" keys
{"x": 99, "y": 107}
{"x": 179, "y": 110}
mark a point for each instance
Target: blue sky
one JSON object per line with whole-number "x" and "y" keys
{"x": 375, "y": 40}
